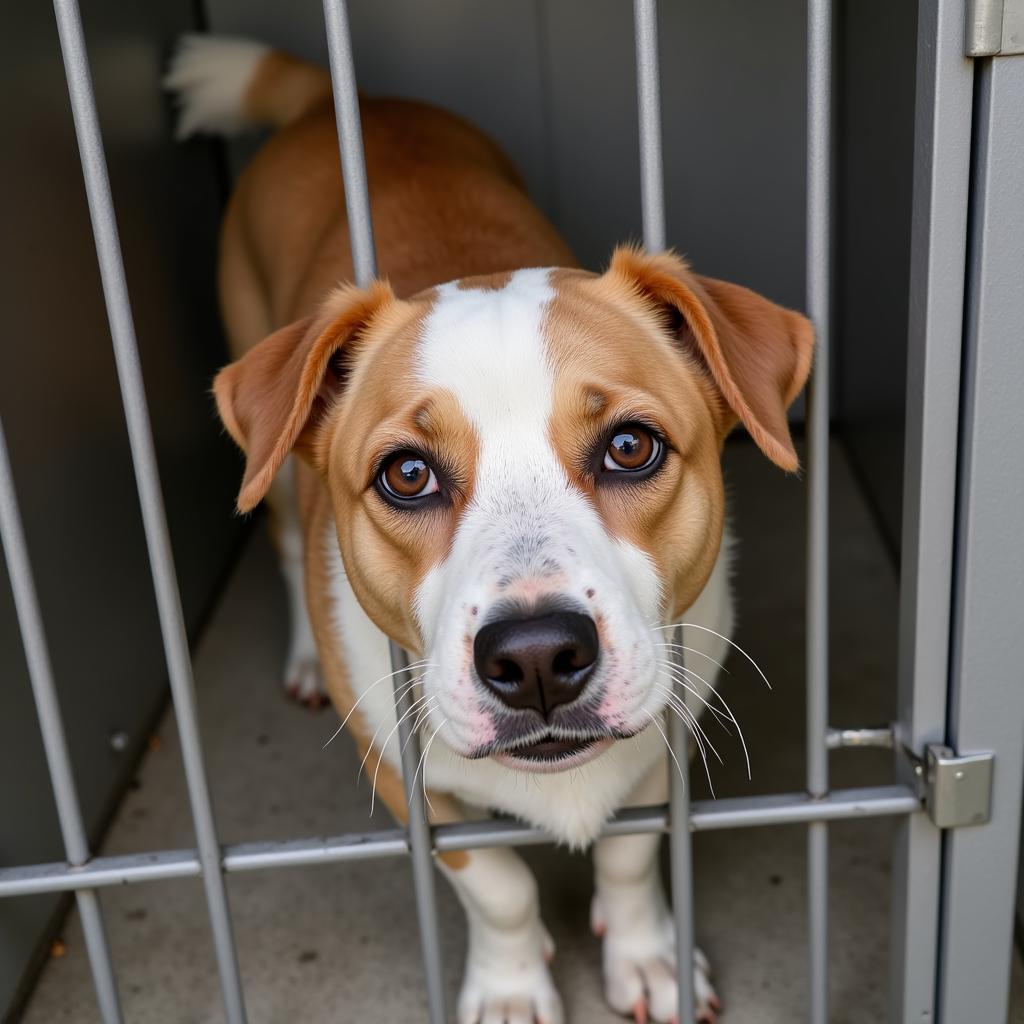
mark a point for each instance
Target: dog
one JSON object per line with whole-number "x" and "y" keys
{"x": 507, "y": 465}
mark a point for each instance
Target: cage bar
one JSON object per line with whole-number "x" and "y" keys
{"x": 51, "y": 725}
{"x": 652, "y": 203}
{"x": 364, "y": 260}
{"x": 133, "y": 397}
{"x": 652, "y": 175}
{"x": 420, "y": 843}
{"x": 818, "y": 271}
{"x": 350, "y": 143}
{"x": 705, "y": 816}
{"x": 681, "y": 860}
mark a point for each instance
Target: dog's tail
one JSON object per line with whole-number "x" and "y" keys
{"x": 225, "y": 85}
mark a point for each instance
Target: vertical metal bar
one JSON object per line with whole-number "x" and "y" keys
{"x": 652, "y": 201}
{"x": 648, "y": 82}
{"x": 133, "y": 396}
{"x": 360, "y": 225}
{"x": 987, "y": 696}
{"x": 681, "y": 856}
{"x": 69, "y": 813}
{"x": 942, "y": 152}
{"x": 819, "y": 104}
{"x": 420, "y": 846}
{"x": 350, "y": 142}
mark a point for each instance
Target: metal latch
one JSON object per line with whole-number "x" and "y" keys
{"x": 957, "y": 789}
{"x": 994, "y": 28}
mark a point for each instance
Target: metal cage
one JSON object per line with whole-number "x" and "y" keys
{"x": 961, "y": 586}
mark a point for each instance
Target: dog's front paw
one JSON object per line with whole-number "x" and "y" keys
{"x": 304, "y": 682}
{"x": 640, "y": 970}
{"x": 508, "y": 982}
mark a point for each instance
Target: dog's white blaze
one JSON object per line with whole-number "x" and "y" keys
{"x": 487, "y": 347}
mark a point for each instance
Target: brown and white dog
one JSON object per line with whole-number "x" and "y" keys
{"x": 509, "y": 466}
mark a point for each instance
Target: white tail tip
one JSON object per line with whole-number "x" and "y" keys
{"x": 209, "y": 77}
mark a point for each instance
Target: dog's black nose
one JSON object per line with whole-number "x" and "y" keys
{"x": 537, "y": 663}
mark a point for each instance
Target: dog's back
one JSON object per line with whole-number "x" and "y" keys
{"x": 446, "y": 201}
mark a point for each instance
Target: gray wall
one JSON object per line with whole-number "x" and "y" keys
{"x": 553, "y": 81}
{"x": 875, "y": 115}
{"x": 60, "y": 405}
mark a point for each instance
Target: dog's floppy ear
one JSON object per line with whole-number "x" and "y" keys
{"x": 757, "y": 353}
{"x": 276, "y": 392}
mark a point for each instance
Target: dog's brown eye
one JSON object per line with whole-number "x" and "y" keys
{"x": 631, "y": 449}
{"x": 407, "y": 476}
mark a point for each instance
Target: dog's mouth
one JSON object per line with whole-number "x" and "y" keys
{"x": 551, "y": 753}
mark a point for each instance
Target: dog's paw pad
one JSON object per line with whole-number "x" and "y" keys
{"x": 303, "y": 681}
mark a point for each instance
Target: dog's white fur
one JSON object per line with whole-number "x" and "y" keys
{"x": 209, "y": 76}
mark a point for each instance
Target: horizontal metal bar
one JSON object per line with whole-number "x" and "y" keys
{"x": 706, "y": 816}
{"x": 294, "y": 853}
{"x": 882, "y": 736}
{"x": 99, "y": 872}
{"x": 843, "y": 804}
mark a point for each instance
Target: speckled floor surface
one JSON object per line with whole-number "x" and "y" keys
{"x": 339, "y": 944}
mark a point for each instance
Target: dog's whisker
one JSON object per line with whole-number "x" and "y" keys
{"x": 701, "y": 748}
{"x": 421, "y": 717}
{"x": 376, "y": 732}
{"x": 731, "y": 643}
{"x": 424, "y": 663}
{"x": 419, "y": 720}
{"x": 692, "y": 650}
{"x": 680, "y": 703}
{"x": 730, "y": 714}
{"x": 426, "y": 791}
{"x": 687, "y": 720}
{"x": 668, "y": 747}
{"x": 423, "y": 757}
{"x": 694, "y": 726}
{"x": 723, "y": 718}
{"x": 384, "y": 747}
{"x": 724, "y": 703}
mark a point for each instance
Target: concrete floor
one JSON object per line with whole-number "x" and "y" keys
{"x": 340, "y": 943}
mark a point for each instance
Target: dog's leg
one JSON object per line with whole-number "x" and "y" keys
{"x": 631, "y": 914}
{"x": 506, "y": 978}
{"x": 302, "y": 676}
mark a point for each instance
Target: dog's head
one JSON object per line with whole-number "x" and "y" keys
{"x": 525, "y": 476}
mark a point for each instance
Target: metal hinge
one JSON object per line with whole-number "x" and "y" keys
{"x": 956, "y": 788}
{"x": 994, "y": 28}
